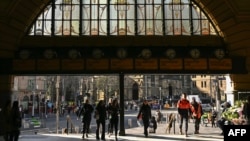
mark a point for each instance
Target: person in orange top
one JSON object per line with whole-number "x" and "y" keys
{"x": 184, "y": 111}
{"x": 196, "y": 114}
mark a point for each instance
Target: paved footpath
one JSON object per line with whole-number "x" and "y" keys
{"x": 134, "y": 134}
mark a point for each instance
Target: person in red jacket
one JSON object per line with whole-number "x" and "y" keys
{"x": 196, "y": 114}
{"x": 184, "y": 110}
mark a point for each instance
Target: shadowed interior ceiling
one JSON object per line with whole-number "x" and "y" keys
{"x": 232, "y": 17}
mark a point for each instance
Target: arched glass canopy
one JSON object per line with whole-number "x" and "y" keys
{"x": 122, "y": 17}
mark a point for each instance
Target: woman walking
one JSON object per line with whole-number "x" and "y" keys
{"x": 114, "y": 111}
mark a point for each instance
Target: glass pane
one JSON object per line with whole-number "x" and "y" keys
{"x": 130, "y": 27}
{"x": 185, "y": 27}
{"x": 122, "y": 18}
{"x": 113, "y": 27}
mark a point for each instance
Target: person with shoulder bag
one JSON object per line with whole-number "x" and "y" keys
{"x": 196, "y": 114}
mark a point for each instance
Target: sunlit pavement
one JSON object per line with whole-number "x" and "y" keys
{"x": 135, "y": 134}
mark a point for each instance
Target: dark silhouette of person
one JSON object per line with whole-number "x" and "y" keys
{"x": 114, "y": 110}
{"x": 246, "y": 110}
{"x": 101, "y": 116}
{"x": 86, "y": 111}
{"x": 109, "y": 115}
{"x": 16, "y": 122}
{"x": 145, "y": 113}
{"x": 6, "y": 114}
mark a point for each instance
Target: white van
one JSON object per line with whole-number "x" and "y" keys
{"x": 197, "y": 98}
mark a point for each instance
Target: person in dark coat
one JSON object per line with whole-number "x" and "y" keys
{"x": 16, "y": 122}
{"x": 114, "y": 111}
{"x": 6, "y": 121}
{"x": 145, "y": 113}
{"x": 101, "y": 116}
{"x": 86, "y": 111}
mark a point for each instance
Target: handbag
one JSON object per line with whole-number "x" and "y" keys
{"x": 96, "y": 115}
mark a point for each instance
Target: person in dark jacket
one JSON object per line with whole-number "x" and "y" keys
{"x": 101, "y": 116}
{"x": 114, "y": 111}
{"x": 184, "y": 111}
{"x": 145, "y": 113}
{"x": 6, "y": 120}
{"x": 86, "y": 112}
{"x": 246, "y": 110}
{"x": 16, "y": 122}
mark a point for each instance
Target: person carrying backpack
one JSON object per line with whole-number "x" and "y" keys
{"x": 184, "y": 111}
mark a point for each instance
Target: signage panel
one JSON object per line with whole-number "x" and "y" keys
{"x": 75, "y": 64}
{"x": 146, "y": 64}
{"x": 223, "y": 64}
{"x": 195, "y": 64}
{"x": 171, "y": 64}
{"x": 46, "y": 65}
{"x": 121, "y": 64}
{"x": 97, "y": 64}
{"x": 24, "y": 65}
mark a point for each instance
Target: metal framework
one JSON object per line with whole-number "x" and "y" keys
{"x": 122, "y": 17}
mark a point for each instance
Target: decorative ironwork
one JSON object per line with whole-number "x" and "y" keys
{"x": 122, "y": 17}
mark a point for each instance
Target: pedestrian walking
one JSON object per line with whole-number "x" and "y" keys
{"x": 87, "y": 110}
{"x": 6, "y": 114}
{"x": 16, "y": 122}
{"x": 100, "y": 116}
{"x": 196, "y": 114}
{"x": 145, "y": 114}
{"x": 184, "y": 111}
{"x": 246, "y": 110}
{"x": 109, "y": 115}
{"x": 114, "y": 110}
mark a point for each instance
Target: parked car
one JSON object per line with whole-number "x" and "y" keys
{"x": 206, "y": 107}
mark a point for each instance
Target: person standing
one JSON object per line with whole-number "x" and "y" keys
{"x": 16, "y": 122}
{"x": 87, "y": 115}
{"x": 246, "y": 110}
{"x": 100, "y": 116}
{"x": 184, "y": 111}
{"x": 145, "y": 113}
{"x": 6, "y": 114}
{"x": 196, "y": 114}
{"x": 114, "y": 110}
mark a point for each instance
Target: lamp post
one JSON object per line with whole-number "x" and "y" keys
{"x": 34, "y": 86}
{"x": 160, "y": 97}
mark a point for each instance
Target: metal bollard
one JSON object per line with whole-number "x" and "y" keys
{"x": 67, "y": 124}
{"x": 130, "y": 123}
